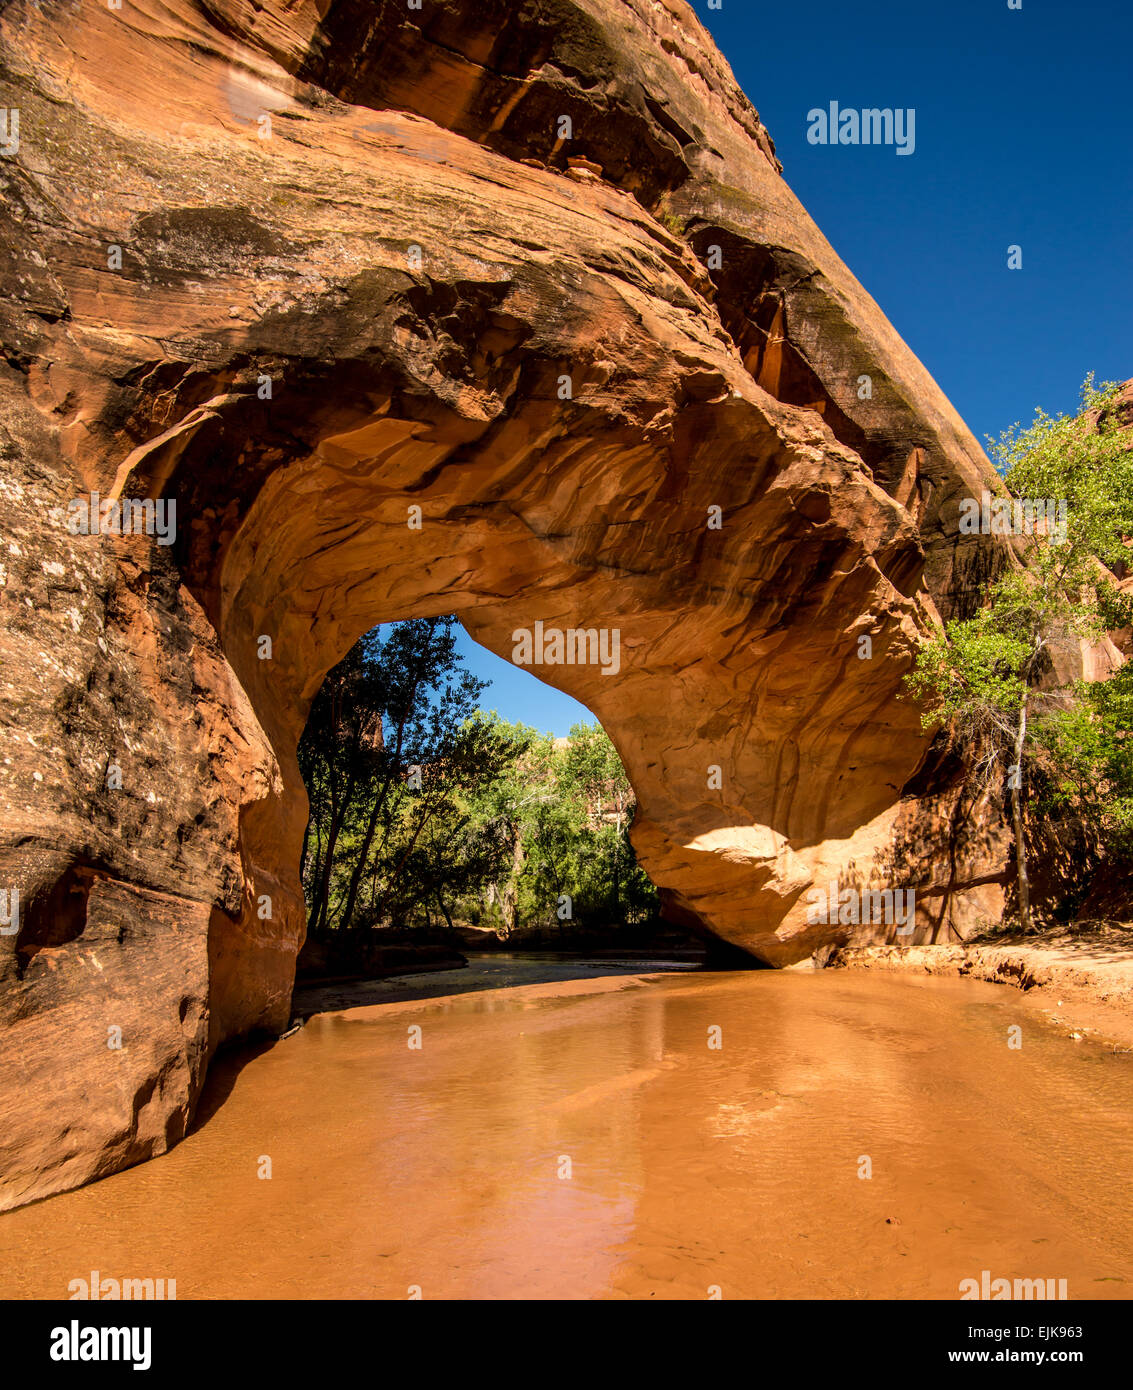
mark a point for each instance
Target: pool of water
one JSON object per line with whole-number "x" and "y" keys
{"x": 596, "y": 1132}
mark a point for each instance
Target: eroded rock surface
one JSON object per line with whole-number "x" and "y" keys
{"x": 531, "y": 269}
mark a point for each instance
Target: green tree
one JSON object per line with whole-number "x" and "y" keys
{"x": 441, "y": 851}
{"x": 593, "y": 773}
{"x": 564, "y": 807}
{"x": 1088, "y": 755}
{"x": 525, "y": 805}
{"x": 390, "y": 739}
{"x": 990, "y": 680}
{"x": 422, "y": 804}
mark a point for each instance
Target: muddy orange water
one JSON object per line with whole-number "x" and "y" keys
{"x": 581, "y": 1139}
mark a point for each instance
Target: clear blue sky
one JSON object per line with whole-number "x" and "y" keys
{"x": 517, "y": 695}
{"x": 1024, "y": 136}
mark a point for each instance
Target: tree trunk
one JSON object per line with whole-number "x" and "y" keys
{"x": 395, "y": 872}
{"x": 510, "y": 900}
{"x": 393, "y": 769}
{"x": 617, "y": 869}
{"x": 363, "y": 855}
{"x": 315, "y": 876}
{"x": 321, "y": 902}
{"x": 443, "y": 908}
{"x": 1017, "y": 816}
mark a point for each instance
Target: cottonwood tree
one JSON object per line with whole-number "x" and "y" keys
{"x": 567, "y": 807}
{"x": 990, "y": 680}
{"x": 438, "y": 852}
{"x": 422, "y": 804}
{"x": 594, "y": 774}
{"x": 390, "y": 740}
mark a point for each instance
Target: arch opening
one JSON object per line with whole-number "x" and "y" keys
{"x": 438, "y": 826}
{"x": 721, "y": 647}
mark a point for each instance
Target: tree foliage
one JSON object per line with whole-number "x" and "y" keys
{"x": 992, "y": 680}
{"x": 425, "y": 809}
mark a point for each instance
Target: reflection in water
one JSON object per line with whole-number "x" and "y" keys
{"x": 689, "y": 1167}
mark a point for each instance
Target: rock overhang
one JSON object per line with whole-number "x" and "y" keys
{"x": 414, "y": 282}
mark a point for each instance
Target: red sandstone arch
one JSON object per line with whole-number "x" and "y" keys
{"x": 434, "y": 380}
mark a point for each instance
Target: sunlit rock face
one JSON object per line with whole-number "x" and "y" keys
{"x": 300, "y": 269}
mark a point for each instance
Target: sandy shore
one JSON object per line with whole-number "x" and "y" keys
{"x": 1082, "y": 981}
{"x": 542, "y": 975}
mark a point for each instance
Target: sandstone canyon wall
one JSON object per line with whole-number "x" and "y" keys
{"x": 533, "y": 269}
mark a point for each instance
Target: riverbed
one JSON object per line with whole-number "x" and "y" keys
{"x": 610, "y": 1132}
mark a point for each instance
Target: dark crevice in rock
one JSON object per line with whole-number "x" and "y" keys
{"x": 55, "y": 915}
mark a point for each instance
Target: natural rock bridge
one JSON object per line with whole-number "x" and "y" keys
{"x": 299, "y": 269}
